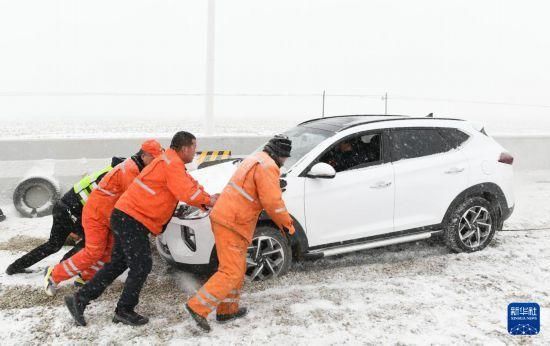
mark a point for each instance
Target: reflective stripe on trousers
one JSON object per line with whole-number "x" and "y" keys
{"x": 67, "y": 270}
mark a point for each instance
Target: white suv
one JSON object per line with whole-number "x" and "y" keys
{"x": 360, "y": 182}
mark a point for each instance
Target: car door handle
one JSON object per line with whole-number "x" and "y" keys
{"x": 455, "y": 170}
{"x": 381, "y": 185}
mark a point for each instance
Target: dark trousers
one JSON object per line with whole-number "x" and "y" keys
{"x": 62, "y": 226}
{"x": 131, "y": 250}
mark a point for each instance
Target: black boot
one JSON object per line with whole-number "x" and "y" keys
{"x": 201, "y": 321}
{"x": 230, "y": 317}
{"x": 129, "y": 317}
{"x": 76, "y": 308}
{"x": 13, "y": 269}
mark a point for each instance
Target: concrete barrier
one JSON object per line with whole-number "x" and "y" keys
{"x": 69, "y": 159}
{"x": 530, "y": 152}
{"x": 95, "y": 148}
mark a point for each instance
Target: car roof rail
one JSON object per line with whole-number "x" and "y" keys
{"x": 394, "y": 119}
{"x": 354, "y": 115}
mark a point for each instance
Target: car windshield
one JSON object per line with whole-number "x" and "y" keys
{"x": 303, "y": 140}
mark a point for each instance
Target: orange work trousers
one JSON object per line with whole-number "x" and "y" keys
{"x": 97, "y": 251}
{"x": 222, "y": 291}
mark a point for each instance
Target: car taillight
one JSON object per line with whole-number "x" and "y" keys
{"x": 506, "y": 158}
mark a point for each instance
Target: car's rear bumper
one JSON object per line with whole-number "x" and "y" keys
{"x": 507, "y": 212}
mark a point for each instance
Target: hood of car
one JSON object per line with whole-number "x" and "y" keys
{"x": 214, "y": 178}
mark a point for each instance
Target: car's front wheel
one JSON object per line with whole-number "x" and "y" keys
{"x": 269, "y": 255}
{"x": 471, "y": 225}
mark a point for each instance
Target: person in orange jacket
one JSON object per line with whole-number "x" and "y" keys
{"x": 143, "y": 210}
{"x": 253, "y": 187}
{"x": 95, "y": 220}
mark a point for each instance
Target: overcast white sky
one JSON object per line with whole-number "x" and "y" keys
{"x": 417, "y": 51}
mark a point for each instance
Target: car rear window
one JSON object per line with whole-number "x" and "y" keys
{"x": 411, "y": 143}
{"x": 454, "y": 137}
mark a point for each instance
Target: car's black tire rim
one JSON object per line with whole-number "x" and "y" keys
{"x": 265, "y": 258}
{"x": 475, "y": 227}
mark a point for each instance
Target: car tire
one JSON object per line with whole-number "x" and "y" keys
{"x": 35, "y": 197}
{"x": 269, "y": 255}
{"x": 471, "y": 225}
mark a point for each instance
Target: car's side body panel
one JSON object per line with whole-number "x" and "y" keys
{"x": 293, "y": 196}
{"x": 483, "y": 152}
{"x": 337, "y": 209}
{"x": 426, "y": 185}
{"x": 354, "y": 204}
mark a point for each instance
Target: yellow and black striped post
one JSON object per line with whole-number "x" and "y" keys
{"x": 207, "y": 156}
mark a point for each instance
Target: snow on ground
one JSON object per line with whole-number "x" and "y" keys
{"x": 416, "y": 293}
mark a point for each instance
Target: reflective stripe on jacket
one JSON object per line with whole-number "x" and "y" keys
{"x": 253, "y": 187}
{"x": 87, "y": 184}
{"x": 102, "y": 200}
{"x": 153, "y": 196}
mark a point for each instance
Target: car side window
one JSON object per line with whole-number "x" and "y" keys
{"x": 454, "y": 137}
{"x": 412, "y": 143}
{"x": 355, "y": 152}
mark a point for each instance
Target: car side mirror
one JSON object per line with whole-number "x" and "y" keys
{"x": 283, "y": 184}
{"x": 321, "y": 170}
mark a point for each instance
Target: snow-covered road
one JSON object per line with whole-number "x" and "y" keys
{"x": 416, "y": 293}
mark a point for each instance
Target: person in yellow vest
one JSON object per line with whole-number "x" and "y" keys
{"x": 67, "y": 214}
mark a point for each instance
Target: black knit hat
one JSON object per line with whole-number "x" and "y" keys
{"x": 279, "y": 146}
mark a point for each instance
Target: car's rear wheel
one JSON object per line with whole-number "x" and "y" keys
{"x": 471, "y": 225}
{"x": 269, "y": 255}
